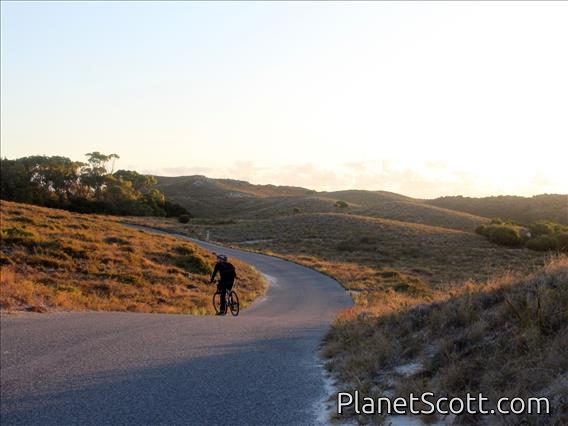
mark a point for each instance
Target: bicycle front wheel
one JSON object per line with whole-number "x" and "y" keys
{"x": 234, "y": 303}
{"x": 217, "y": 302}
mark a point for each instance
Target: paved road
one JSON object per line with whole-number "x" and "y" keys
{"x": 147, "y": 369}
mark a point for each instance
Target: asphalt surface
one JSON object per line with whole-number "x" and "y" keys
{"x": 260, "y": 368}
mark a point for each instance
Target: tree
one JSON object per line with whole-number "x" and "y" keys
{"x": 155, "y": 199}
{"x": 59, "y": 177}
{"x": 15, "y": 180}
{"x": 83, "y": 187}
{"x": 98, "y": 162}
{"x": 40, "y": 179}
{"x": 95, "y": 172}
{"x": 141, "y": 183}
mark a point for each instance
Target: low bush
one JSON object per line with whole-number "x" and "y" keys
{"x": 506, "y": 235}
{"x": 562, "y": 239}
{"x": 184, "y": 218}
{"x": 539, "y": 236}
{"x": 542, "y": 228}
{"x": 194, "y": 263}
{"x": 543, "y": 243}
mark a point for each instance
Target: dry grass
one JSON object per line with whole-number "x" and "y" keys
{"x": 56, "y": 260}
{"x": 237, "y": 200}
{"x": 424, "y": 295}
{"x": 368, "y": 255}
{"x": 430, "y": 293}
{"x": 507, "y": 336}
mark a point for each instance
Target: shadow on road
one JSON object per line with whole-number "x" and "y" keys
{"x": 238, "y": 385}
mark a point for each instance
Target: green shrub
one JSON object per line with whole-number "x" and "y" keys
{"x": 506, "y": 235}
{"x": 184, "y": 250}
{"x": 543, "y": 243}
{"x": 480, "y": 230}
{"x": 194, "y": 263}
{"x": 562, "y": 239}
{"x": 184, "y": 218}
{"x": 541, "y": 228}
{"x": 541, "y": 236}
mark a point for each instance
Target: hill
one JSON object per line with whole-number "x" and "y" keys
{"x": 431, "y": 296}
{"x": 553, "y": 207}
{"x": 222, "y": 198}
{"x": 373, "y": 240}
{"x": 365, "y": 198}
{"x": 231, "y": 199}
{"x": 56, "y": 260}
{"x": 504, "y": 338}
{"x": 367, "y": 255}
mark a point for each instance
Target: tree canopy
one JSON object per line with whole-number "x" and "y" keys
{"x": 87, "y": 187}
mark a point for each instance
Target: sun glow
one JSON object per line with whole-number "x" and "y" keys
{"x": 425, "y": 98}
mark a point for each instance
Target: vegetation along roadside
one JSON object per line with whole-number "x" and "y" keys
{"x": 57, "y": 260}
{"x": 447, "y": 303}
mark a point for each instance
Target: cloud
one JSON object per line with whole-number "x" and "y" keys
{"x": 427, "y": 179}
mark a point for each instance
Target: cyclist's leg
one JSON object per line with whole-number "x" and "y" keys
{"x": 223, "y": 289}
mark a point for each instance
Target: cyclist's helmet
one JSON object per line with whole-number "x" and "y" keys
{"x": 221, "y": 258}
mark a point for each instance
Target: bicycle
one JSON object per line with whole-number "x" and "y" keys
{"x": 232, "y": 302}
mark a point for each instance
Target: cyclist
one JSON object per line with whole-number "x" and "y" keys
{"x": 227, "y": 273}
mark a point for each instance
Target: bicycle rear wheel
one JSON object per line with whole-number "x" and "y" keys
{"x": 233, "y": 302}
{"x": 217, "y": 302}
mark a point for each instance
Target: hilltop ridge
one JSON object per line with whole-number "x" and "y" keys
{"x": 236, "y": 199}
{"x": 233, "y": 199}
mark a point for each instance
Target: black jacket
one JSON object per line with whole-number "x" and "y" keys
{"x": 226, "y": 271}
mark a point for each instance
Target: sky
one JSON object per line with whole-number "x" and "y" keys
{"x": 425, "y": 99}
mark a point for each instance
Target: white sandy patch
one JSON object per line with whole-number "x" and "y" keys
{"x": 407, "y": 370}
{"x": 325, "y": 407}
{"x": 272, "y": 281}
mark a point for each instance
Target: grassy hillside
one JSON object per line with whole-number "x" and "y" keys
{"x": 205, "y": 185}
{"x": 416, "y": 212}
{"x": 53, "y": 260}
{"x": 230, "y": 199}
{"x": 505, "y": 337}
{"x": 205, "y": 197}
{"x": 553, "y": 207}
{"x": 365, "y": 198}
{"x": 369, "y": 256}
{"x": 438, "y": 307}
{"x": 233, "y": 199}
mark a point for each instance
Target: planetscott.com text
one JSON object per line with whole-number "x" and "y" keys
{"x": 428, "y": 403}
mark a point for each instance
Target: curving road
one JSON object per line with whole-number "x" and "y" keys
{"x": 260, "y": 368}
